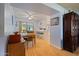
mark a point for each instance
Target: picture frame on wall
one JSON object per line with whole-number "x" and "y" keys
{"x": 54, "y": 21}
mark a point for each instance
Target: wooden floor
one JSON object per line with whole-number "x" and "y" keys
{"x": 42, "y": 48}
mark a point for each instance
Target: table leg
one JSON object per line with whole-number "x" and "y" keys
{"x": 27, "y": 45}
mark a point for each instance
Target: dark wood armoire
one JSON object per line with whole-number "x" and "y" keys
{"x": 70, "y": 31}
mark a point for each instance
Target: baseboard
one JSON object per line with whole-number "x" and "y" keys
{"x": 56, "y": 46}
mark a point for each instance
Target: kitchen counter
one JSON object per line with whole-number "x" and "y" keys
{"x": 3, "y": 44}
{"x": 40, "y": 34}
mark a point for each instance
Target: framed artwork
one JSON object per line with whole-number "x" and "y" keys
{"x": 54, "y": 21}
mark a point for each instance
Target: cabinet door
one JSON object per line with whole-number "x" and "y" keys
{"x": 77, "y": 29}
{"x": 67, "y": 42}
{"x": 74, "y": 43}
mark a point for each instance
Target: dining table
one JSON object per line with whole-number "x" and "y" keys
{"x": 30, "y": 37}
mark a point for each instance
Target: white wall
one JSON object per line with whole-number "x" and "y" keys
{"x": 6, "y": 13}
{"x": 9, "y": 23}
{"x": 1, "y": 19}
{"x": 3, "y": 39}
{"x": 3, "y": 43}
{"x": 57, "y": 31}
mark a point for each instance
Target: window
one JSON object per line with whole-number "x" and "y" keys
{"x": 26, "y": 27}
{"x": 23, "y": 27}
{"x": 30, "y": 27}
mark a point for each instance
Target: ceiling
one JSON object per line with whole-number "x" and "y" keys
{"x": 35, "y": 7}
{"x": 70, "y": 6}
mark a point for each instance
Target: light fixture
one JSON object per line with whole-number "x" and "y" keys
{"x": 29, "y": 15}
{"x": 29, "y": 18}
